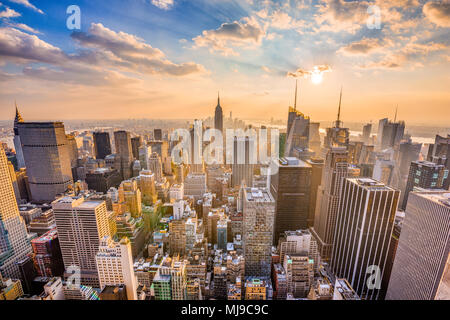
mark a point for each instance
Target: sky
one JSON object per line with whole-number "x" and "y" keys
{"x": 170, "y": 58}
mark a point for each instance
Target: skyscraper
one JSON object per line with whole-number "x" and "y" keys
{"x": 426, "y": 175}
{"x": 297, "y": 133}
{"x": 258, "y": 221}
{"x": 364, "y": 225}
{"x": 316, "y": 179}
{"x": 102, "y": 145}
{"x": 47, "y": 158}
{"x": 157, "y": 134}
{"x": 218, "y": 116}
{"x": 47, "y": 257}
{"x": 115, "y": 265}
{"x": 155, "y": 166}
{"x": 290, "y": 188}
{"x": 334, "y": 171}
{"x": 73, "y": 149}
{"x": 244, "y": 160}
{"x": 122, "y": 140}
{"x": 337, "y": 136}
{"x": 136, "y": 143}
{"x": 367, "y": 130}
{"x": 17, "y": 143}
{"x": 14, "y": 243}
{"x": 81, "y": 225}
{"x": 421, "y": 266}
{"x": 390, "y": 133}
{"x": 439, "y": 153}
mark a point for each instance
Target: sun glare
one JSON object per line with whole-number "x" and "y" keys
{"x": 316, "y": 76}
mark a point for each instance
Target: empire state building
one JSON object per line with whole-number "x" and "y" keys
{"x": 218, "y": 116}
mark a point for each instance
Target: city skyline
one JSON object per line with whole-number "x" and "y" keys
{"x": 224, "y": 150}
{"x": 167, "y": 59}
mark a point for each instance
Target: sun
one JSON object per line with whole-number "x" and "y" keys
{"x": 316, "y": 76}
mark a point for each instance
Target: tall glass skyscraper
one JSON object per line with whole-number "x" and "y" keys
{"x": 14, "y": 242}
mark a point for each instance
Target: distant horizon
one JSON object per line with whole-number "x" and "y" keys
{"x": 374, "y": 122}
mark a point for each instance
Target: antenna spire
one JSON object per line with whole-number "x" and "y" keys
{"x": 295, "y": 101}
{"x": 396, "y": 111}
{"x": 218, "y": 98}
{"x": 338, "y": 121}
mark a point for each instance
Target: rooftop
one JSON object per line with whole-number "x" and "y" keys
{"x": 370, "y": 184}
{"x": 441, "y": 197}
{"x": 258, "y": 195}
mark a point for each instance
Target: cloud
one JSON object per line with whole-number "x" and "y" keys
{"x": 245, "y": 33}
{"x": 16, "y": 45}
{"x": 282, "y": 20}
{"x": 9, "y": 13}
{"x": 438, "y": 12}
{"x": 163, "y": 4}
{"x": 128, "y": 51}
{"x": 119, "y": 43}
{"x": 303, "y": 73}
{"x": 23, "y": 27}
{"x": 410, "y": 54}
{"x": 340, "y": 15}
{"x": 27, "y": 4}
{"x": 104, "y": 57}
{"x": 361, "y": 47}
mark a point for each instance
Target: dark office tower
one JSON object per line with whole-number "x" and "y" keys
{"x": 14, "y": 244}
{"x": 124, "y": 150}
{"x": 244, "y": 161}
{"x": 102, "y": 145}
{"x": 47, "y": 158}
{"x": 316, "y": 178}
{"x": 439, "y": 153}
{"x": 27, "y": 274}
{"x": 367, "y": 131}
{"x": 136, "y": 142}
{"x": 47, "y": 257}
{"x": 389, "y": 133}
{"x": 364, "y": 226}
{"x": 426, "y": 175}
{"x": 73, "y": 149}
{"x": 290, "y": 188}
{"x": 157, "y": 134}
{"x": 297, "y": 133}
{"x": 337, "y": 136}
{"x": 421, "y": 266}
{"x": 334, "y": 171}
{"x": 218, "y": 116}
{"x": 17, "y": 143}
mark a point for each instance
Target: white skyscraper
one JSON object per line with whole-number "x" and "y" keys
{"x": 81, "y": 225}
{"x": 14, "y": 243}
{"x": 115, "y": 265}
